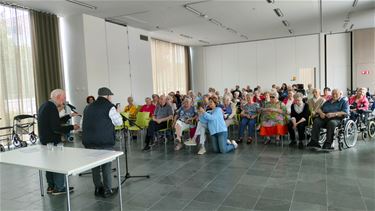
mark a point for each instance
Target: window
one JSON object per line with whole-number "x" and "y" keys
{"x": 17, "y": 93}
{"x": 169, "y": 67}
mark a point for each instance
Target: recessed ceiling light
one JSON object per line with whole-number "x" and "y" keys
{"x": 193, "y": 10}
{"x": 278, "y": 12}
{"x": 186, "y": 36}
{"x": 286, "y": 23}
{"x": 83, "y": 4}
{"x": 202, "y": 41}
{"x": 355, "y": 2}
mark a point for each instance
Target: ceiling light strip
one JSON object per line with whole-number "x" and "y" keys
{"x": 83, "y": 4}
{"x": 355, "y": 2}
{"x": 278, "y": 12}
{"x": 285, "y": 22}
{"x": 202, "y": 41}
{"x": 193, "y": 10}
{"x": 271, "y": 1}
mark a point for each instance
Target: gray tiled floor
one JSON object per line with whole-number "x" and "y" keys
{"x": 255, "y": 177}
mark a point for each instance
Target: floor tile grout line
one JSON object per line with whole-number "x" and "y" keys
{"x": 210, "y": 183}
{"x": 295, "y": 185}
{"x": 240, "y": 179}
{"x": 188, "y": 179}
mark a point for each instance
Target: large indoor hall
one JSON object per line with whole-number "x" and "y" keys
{"x": 187, "y": 105}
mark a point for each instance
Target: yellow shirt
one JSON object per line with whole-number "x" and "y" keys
{"x": 132, "y": 110}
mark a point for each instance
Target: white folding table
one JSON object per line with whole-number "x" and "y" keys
{"x": 68, "y": 161}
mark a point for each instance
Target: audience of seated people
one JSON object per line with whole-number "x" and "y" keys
{"x": 277, "y": 115}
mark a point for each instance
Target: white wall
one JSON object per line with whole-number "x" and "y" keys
{"x": 96, "y": 53}
{"x": 140, "y": 65}
{"x": 118, "y": 62}
{"x": 198, "y": 76}
{"x": 338, "y": 61}
{"x": 257, "y": 63}
{"x": 74, "y": 61}
{"x": 364, "y": 58}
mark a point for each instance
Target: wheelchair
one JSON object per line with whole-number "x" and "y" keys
{"x": 365, "y": 121}
{"x": 346, "y": 134}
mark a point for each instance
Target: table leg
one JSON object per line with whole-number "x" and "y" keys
{"x": 119, "y": 181}
{"x": 67, "y": 191}
{"x": 41, "y": 182}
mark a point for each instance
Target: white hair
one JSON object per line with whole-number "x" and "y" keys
{"x": 57, "y": 92}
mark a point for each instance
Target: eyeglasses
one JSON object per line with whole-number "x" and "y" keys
{"x": 272, "y": 97}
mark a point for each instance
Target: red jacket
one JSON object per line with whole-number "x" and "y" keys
{"x": 148, "y": 108}
{"x": 362, "y": 104}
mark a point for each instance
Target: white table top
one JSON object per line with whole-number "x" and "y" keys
{"x": 70, "y": 161}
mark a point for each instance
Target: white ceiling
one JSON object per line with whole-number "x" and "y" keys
{"x": 255, "y": 19}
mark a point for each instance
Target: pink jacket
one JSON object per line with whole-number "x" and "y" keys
{"x": 362, "y": 104}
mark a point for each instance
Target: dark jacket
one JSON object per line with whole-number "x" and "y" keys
{"x": 49, "y": 126}
{"x": 98, "y": 130}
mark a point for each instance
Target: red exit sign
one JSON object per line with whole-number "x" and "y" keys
{"x": 365, "y": 72}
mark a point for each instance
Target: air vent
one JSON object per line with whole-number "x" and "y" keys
{"x": 143, "y": 37}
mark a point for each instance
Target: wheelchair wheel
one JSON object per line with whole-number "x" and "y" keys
{"x": 23, "y": 144}
{"x": 350, "y": 133}
{"x": 33, "y": 138}
{"x": 371, "y": 129}
{"x": 16, "y": 140}
{"x": 2, "y": 148}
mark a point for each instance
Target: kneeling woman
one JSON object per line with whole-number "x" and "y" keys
{"x": 217, "y": 127}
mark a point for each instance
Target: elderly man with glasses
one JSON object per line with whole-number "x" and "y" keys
{"x": 330, "y": 115}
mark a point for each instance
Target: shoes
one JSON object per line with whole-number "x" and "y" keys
{"x": 178, "y": 146}
{"x": 191, "y": 142}
{"x": 202, "y": 150}
{"x": 49, "y": 190}
{"x": 99, "y": 191}
{"x": 229, "y": 141}
{"x": 59, "y": 192}
{"x": 146, "y": 148}
{"x": 109, "y": 193}
{"x": 300, "y": 145}
{"x": 292, "y": 144}
{"x": 327, "y": 146}
{"x": 239, "y": 141}
{"x": 313, "y": 145}
{"x": 249, "y": 140}
{"x": 267, "y": 141}
{"x": 234, "y": 144}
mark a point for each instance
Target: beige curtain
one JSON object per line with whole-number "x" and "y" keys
{"x": 17, "y": 94}
{"x": 169, "y": 67}
{"x": 46, "y": 54}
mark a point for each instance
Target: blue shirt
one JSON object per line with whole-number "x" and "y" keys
{"x": 184, "y": 115}
{"x": 340, "y": 105}
{"x": 215, "y": 119}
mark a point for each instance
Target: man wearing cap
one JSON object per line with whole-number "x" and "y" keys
{"x": 98, "y": 132}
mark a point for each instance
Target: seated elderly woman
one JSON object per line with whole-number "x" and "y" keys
{"x": 330, "y": 115}
{"x": 229, "y": 110}
{"x": 299, "y": 114}
{"x": 248, "y": 118}
{"x": 131, "y": 108}
{"x": 315, "y": 102}
{"x": 359, "y": 101}
{"x": 273, "y": 119}
{"x": 217, "y": 127}
{"x": 184, "y": 120}
{"x": 148, "y": 107}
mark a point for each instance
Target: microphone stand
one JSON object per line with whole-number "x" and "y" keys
{"x": 127, "y": 173}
